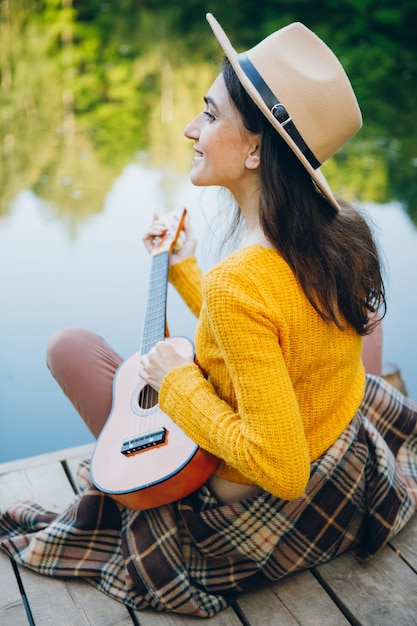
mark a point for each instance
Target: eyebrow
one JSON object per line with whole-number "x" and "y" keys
{"x": 210, "y": 101}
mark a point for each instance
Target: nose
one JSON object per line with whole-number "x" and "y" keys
{"x": 192, "y": 130}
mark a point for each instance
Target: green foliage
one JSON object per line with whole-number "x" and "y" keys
{"x": 110, "y": 78}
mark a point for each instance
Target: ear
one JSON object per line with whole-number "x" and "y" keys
{"x": 254, "y": 156}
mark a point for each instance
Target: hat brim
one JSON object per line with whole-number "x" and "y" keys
{"x": 316, "y": 174}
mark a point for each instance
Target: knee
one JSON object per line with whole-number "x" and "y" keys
{"x": 63, "y": 345}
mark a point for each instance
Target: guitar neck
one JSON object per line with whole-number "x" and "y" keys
{"x": 155, "y": 316}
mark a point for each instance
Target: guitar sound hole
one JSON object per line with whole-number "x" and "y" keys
{"x": 148, "y": 397}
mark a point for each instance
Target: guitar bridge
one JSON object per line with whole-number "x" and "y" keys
{"x": 144, "y": 441}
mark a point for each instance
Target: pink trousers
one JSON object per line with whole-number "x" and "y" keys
{"x": 84, "y": 365}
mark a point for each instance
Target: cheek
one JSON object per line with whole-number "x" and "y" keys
{"x": 233, "y": 153}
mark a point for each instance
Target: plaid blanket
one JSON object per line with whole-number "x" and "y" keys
{"x": 191, "y": 556}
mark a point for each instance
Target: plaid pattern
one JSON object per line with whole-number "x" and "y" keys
{"x": 189, "y": 557}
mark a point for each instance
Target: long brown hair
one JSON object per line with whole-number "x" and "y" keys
{"x": 333, "y": 255}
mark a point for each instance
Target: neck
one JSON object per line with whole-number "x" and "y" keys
{"x": 257, "y": 236}
{"x": 249, "y": 207}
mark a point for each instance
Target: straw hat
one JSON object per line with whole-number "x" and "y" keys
{"x": 301, "y": 87}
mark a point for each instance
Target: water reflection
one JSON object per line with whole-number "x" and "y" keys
{"x": 93, "y": 106}
{"x": 50, "y": 279}
{"x": 85, "y": 87}
{"x": 99, "y": 280}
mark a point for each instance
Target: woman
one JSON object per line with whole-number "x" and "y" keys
{"x": 315, "y": 459}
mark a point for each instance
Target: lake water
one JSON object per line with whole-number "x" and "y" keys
{"x": 98, "y": 278}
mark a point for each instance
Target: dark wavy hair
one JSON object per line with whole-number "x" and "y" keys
{"x": 333, "y": 255}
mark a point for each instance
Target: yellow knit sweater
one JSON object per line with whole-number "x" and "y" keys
{"x": 275, "y": 385}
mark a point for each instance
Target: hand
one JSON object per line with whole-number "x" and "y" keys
{"x": 155, "y": 365}
{"x": 187, "y": 248}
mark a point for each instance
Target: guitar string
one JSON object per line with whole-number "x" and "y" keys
{"x": 155, "y": 329}
{"x": 155, "y": 320}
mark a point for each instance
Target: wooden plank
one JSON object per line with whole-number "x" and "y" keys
{"x": 95, "y": 607}
{"x": 150, "y": 618}
{"x": 12, "y": 610}
{"x": 45, "y": 484}
{"x": 64, "y": 602}
{"x": 296, "y": 600}
{"x": 55, "y": 601}
{"x": 405, "y": 543}
{"x": 42, "y": 459}
{"x": 381, "y": 592}
{"x": 73, "y": 464}
{"x": 306, "y": 599}
{"x": 264, "y": 607}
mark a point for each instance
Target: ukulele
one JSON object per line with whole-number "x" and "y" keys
{"x": 142, "y": 459}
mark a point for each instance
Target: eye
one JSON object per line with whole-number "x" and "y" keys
{"x": 209, "y": 116}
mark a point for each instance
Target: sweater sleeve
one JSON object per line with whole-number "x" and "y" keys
{"x": 186, "y": 276}
{"x": 262, "y": 437}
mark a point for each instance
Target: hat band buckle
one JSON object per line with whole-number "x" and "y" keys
{"x": 281, "y": 114}
{"x": 276, "y": 108}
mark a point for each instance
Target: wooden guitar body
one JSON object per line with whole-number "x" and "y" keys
{"x": 167, "y": 466}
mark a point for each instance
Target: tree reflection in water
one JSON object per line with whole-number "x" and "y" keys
{"x": 87, "y": 87}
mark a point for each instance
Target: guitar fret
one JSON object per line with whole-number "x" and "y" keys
{"x": 155, "y": 316}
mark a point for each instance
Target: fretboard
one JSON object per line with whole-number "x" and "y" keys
{"x": 155, "y": 316}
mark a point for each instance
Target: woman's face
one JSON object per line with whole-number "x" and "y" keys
{"x": 224, "y": 149}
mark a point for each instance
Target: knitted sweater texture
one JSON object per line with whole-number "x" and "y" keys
{"x": 273, "y": 385}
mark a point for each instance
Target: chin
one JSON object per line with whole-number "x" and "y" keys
{"x": 197, "y": 180}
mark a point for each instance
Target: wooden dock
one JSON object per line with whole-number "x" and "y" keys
{"x": 341, "y": 592}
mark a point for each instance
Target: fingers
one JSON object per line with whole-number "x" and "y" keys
{"x": 154, "y": 234}
{"x": 153, "y": 366}
{"x": 188, "y": 243}
{"x": 160, "y": 360}
{"x": 149, "y": 360}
